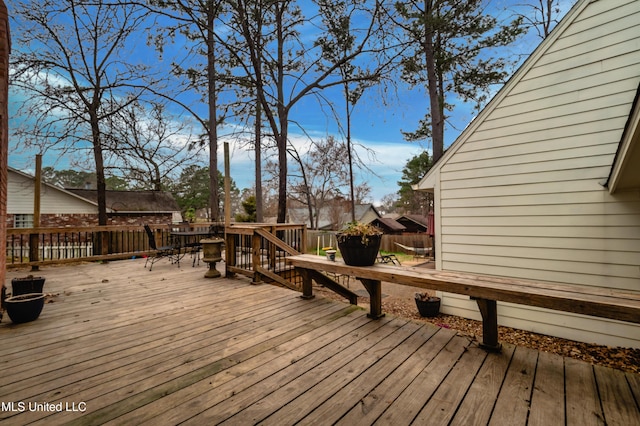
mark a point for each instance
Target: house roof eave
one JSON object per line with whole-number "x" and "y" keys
{"x": 624, "y": 174}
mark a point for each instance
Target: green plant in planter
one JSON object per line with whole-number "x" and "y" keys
{"x": 363, "y": 230}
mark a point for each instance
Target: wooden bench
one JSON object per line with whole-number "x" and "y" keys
{"x": 485, "y": 290}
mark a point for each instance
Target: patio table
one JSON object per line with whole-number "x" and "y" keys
{"x": 190, "y": 241}
{"x": 189, "y": 238}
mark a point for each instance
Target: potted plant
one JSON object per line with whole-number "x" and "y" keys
{"x": 359, "y": 243}
{"x": 26, "y": 285}
{"x": 428, "y": 306}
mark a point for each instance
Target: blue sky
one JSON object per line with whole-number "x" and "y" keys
{"x": 377, "y": 124}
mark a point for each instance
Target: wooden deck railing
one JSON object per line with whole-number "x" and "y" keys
{"x": 255, "y": 250}
{"x": 40, "y": 246}
{"x": 259, "y": 251}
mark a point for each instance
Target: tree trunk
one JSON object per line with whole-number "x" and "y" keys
{"x": 282, "y": 171}
{"x": 101, "y": 185}
{"x": 258, "y": 144}
{"x": 283, "y": 120}
{"x": 435, "y": 99}
{"x": 351, "y": 190}
{"x": 213, "y": 118}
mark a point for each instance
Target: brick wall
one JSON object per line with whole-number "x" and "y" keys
{"x": 4, "y": 132}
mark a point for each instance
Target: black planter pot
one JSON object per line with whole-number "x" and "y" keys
{"x": 355, "y": 252}
{"x": 429, "y": 307}
{"x": 25, "y": 307}
{"x": 27, "y": 285}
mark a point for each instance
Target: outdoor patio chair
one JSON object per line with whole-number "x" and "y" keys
{"x": 170, "y": 252}
{"x": 388, "y": 258}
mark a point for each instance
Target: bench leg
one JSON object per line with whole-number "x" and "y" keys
{"x": 489, "y": 312}
{"x": 307, "y": 285}
{"x": 374, "y": 288}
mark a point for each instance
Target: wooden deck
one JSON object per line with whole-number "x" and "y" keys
{"x": 122, "y": 345}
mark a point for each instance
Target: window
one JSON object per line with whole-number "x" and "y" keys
{"x": 23, "y": 221}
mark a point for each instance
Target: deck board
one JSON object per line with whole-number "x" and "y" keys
{"x": 170, "y": 346}
{"x": 512, "y": 406}
{"x": 352, "y": 393}
{"x": 546, "y": 408}
{"x": 582, "y": 400}
{"x": 382, "y": 396}
{"x": 481, "y": 396}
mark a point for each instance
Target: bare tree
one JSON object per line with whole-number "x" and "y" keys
{"x": 323, "y": 176}
{"x": 196, "y": 20}
{"x": 545, "y": 16}
{"x": 68, "y": 61}
{"x": 287, "y": 70}
{"x": 148, "y": 146}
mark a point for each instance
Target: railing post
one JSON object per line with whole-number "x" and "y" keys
{"x": 34, "y": 255}
{"x": 230, "y": 254}
{"x": 256, "y": 239}
{"x": 272, "y": 250}
{"x": 101, "y": 242}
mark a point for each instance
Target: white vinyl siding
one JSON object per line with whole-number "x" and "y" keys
{"x": 20, "y": 191}
{"x": 521, "y": 194}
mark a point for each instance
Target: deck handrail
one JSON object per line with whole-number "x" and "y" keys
{"x": 253, "y": 249}
{"x": 259, "y": 251}
{"x": 63, "y": 244}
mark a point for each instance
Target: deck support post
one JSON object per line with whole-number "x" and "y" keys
{"x": 489, "y": 311}
{"x": 307, "y": 284}
{"x": 374, "y": 288}
{"x": 256, "y": 258}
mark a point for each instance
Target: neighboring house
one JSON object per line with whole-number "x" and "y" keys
{"x": 544, "y": 184}
{"x": 333, "y": 217}
{"x": 389, "y": 225}
{"x": 413, "y": 223}
{"x": 72, "y": 207}
{"x": 57, "y": 206}
{"x": 136, "y": 207}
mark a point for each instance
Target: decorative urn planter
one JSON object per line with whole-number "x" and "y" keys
{"x": 24, "y": 307}
{"x": 212, "y": 251}
{"x": 428, "y": 306}
{"x": 26, "y": 285}
{"x": 359, "y": 243}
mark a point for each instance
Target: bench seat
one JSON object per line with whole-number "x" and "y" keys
{"x": 621, "y": 305}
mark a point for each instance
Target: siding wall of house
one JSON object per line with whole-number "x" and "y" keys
{"x": 20, "y": 199}
{"x": 522, "y": 195}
